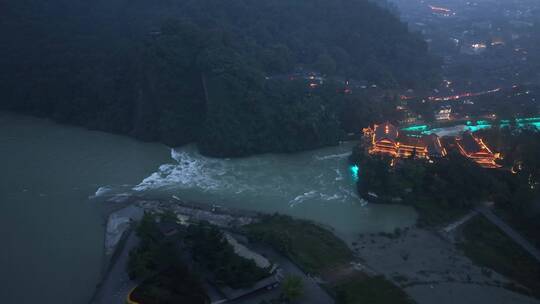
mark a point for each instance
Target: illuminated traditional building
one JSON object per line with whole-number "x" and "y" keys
{"x": 434, "y": 146}
{"x": 383, "y": 138}
{"x": 475, "y": 149}
{"x": 386, "y": 139}
{"x": 408, "y": 146}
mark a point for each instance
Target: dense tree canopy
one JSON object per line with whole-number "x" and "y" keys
{"x": 210, "y": 71}
{"x": 440, "y": 191}
{"x": 210, "y": 248}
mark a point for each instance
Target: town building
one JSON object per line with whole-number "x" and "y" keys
{"x": 475, "y": 149}
{"x": 387, "y": 139}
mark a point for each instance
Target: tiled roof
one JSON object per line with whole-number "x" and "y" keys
{"x": 469, "y": 144}
{"x": 386, "y": 130}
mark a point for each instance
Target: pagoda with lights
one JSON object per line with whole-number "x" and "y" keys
{"x": 476, "y": 150}
{"x": 387, "y": 139}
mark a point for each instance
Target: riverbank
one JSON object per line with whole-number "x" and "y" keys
{"x": 312, "y": 248}
{"x": 426, "y": 264}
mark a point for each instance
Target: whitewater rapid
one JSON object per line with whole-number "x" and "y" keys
{"x": 317, "y": 185}
{"x": 295, "y": 180}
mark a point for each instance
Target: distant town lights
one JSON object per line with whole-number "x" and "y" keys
{"x": 478, "y": 46}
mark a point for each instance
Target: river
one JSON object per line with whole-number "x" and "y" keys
{"x": 52, "y": 233}
{"x": 56, "y": 177}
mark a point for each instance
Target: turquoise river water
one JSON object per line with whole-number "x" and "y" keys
{"x": 55, "y": 178}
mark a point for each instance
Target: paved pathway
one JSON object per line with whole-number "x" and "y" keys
{"x": 526, "y": 245}
{"x": 117, "y": 285}
{"x": 460, "y": 222}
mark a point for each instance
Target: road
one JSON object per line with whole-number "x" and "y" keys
{"x": 116, "y": 286}
{"x": 460, "y": 222}
{"x": 511, "y": 233}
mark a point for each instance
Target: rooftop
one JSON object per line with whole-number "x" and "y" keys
{"x": 413, "y": 141}
{"x": 386, "y": 131}
{"x": 470, "y": 145}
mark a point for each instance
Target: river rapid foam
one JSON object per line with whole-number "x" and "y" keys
{"x": 316, "y": 185}
{"x": 295, "y": 179}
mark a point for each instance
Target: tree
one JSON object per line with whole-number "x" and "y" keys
{"x": 292, "y": 288}
{"x": 208, "y": 75}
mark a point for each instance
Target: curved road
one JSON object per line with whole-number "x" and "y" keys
{"x": 116, "y": 285}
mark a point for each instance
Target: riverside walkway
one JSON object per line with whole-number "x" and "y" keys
{"x": 116, "y": 284}
{"x": 460, "y": 222}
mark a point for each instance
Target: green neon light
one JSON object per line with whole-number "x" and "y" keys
{"x": 477, "y": 128}
{"x": 355, "y": 172}
{"x": 480, "y": 125}
{"x": 534, "y": 119}
{"x": 417, "y": 128}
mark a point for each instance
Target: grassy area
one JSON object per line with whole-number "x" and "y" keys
{"x": 373, "y": 290}
{"x": 488, "y": 247}
{"x": 528, "y": 227}
{"x": 432, "y": 214}
{"x": 312, "y": 247}
{"x": 318, "y": 250}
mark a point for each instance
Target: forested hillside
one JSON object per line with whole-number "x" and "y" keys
{"x": 208, "y": 71}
